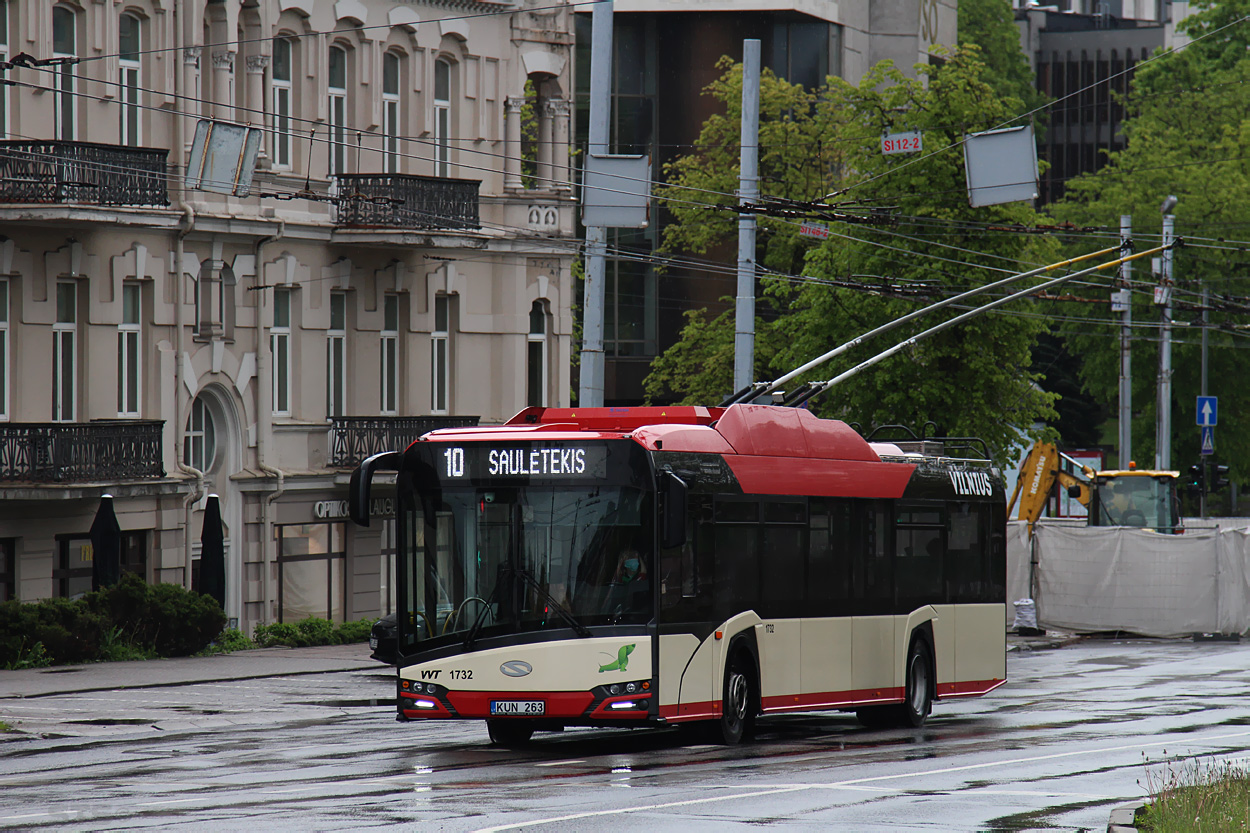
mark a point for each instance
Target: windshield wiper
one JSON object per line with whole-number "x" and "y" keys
{"x": 577, "y": 626}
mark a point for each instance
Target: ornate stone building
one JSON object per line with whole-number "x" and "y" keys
{"x": 401, "y": 259}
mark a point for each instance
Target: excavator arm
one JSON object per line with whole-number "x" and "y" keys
{"x": 1038, "y": 473}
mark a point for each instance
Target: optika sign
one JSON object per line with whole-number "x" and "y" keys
{"x": 333, "y": 509}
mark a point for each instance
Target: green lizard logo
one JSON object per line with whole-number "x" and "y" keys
{"x": 622, "y": 659}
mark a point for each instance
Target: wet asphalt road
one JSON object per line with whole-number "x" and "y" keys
{"x": 1075, "y": 732}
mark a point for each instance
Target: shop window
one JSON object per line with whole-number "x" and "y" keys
{"x": 312, "y": 563}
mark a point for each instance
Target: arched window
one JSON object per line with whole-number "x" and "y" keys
{"x": 536, "y": 376}
{"x": 199, "y": 447}
{"x": 442, "y": 117}
{"x": 390, "y": 112}
{"x": 128, "y": 50}
{"x": 337, "y": 83}
{"x": 280, "y": 102}
{"x": 65, "y": 45}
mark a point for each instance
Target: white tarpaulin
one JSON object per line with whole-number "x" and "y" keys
{"x": 1123, "y": 579}
{"x": 1018, "y": 557}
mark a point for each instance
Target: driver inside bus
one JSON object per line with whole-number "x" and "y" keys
{"x": 629, "y": 568}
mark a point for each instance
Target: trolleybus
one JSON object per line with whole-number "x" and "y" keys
{"x": 656, "y": 566}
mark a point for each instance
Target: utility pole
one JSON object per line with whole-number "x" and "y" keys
{"x": 1126, "y": 343}
{"x": 1202, "y": 495}
{"x": 590, "y": 387}
{"x": 748, "y": 192}
{"x": 1163, "y": 417}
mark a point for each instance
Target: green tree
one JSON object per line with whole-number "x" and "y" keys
{"x": 972, "y": 379}
{"x": 990, "y": 24}
{"x": 1187, "y": 134}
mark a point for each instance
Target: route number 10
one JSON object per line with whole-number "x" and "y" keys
{"x": 455, "y": 462}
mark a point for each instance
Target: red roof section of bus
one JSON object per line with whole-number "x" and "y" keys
{"x": 750, "y": 430}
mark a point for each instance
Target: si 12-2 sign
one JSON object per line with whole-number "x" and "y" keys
{"x": 909, "y": 142}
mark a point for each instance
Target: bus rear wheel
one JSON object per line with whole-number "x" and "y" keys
{"x": 915, "y": 709}
{"x": 510, "y": 732}
{"x": 737, "y": 718}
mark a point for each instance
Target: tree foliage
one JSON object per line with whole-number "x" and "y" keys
{"x": 971, "y": 379}
{"x": 1187, "y": 134}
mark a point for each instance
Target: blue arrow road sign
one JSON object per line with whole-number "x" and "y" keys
{"x": 1208, "y": 440}
{"x": 1208, "y": 410}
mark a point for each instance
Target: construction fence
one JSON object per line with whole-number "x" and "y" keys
{"x": 1097, "y": 579}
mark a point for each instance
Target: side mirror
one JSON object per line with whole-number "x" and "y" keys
{"x": 361, "y": 481}
{"x": 673, "y": 493}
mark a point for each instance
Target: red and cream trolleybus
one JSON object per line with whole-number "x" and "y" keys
{"x": 654, "y": 566}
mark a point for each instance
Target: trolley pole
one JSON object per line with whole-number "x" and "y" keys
{"x": 748, "y": 192}
{"x": 1126, "y": 344}
{"x": 1163, "y": 417}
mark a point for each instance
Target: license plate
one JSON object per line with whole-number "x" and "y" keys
{"x": 517, "y": 708}
{"x": 373, "y": 643}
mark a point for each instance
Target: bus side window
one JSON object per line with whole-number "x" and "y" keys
{"x": 736, "y": 585}
{"x": 871, "y": 557}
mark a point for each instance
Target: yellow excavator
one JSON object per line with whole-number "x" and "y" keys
{"x": 1142, "y": 498}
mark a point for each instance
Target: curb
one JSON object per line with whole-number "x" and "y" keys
{"x": 1124, "y": 818}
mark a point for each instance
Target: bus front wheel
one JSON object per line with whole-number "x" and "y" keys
{"x": 510, "y": 732}
{"x": 738, "y": 700}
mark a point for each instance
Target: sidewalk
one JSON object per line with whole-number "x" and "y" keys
{"x": 241, "y": 665}
{"x": 263, "y": 662}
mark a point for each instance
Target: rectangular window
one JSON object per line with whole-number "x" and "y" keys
{"x": 72, "y": 575}
{"x": 8, "y": 569}
{"x": 128, "y": 88}
{"x": 390, "y": 354}
{"x": 442, "y": 118}
{"x": 4, "y": 348}
{"x": 338, "y": 111}
{"x": 65, "y": 45}
{"x": 390, "y": 113}
{"x": 128, "y": 353}
{"x": 312, "y": 562}
{"x": 536, "y": 360}
{"x": 336, "y": 355}
{"x": 280, "y": 351}
{"x": 65, "y": 352}
{"x": 280, "y": 84}
{"x": 4, "y": 56}
{"x": 438, "y": 355}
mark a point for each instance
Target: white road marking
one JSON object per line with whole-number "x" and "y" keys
{"x": 856, "y": 782}
{"x": 559, "y": 763}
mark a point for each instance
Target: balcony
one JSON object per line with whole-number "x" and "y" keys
{"x": 82, "y": 173}
{"x": 407, "y": 202}
{"x": 80, "y": 452}
{"x": 355, "y": 438}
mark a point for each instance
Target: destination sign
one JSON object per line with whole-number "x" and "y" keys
{"x": 479, "y": 461}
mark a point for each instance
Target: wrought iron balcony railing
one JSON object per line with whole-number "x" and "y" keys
{"x": 355, "y": 438}
{"x": 82, "y": 172}
{"x": 404, "y": 201}
{"x": 80, "y": 452}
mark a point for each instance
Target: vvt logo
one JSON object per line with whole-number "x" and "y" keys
{"x": 516, "y": 668}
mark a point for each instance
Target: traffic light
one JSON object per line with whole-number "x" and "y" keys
{"x": 1219, "y": 478}
{"x": 1197, "y": 479}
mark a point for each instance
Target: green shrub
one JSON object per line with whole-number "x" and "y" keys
{"x": 354, "y": 631}
{"x": 165, "y": 618}
{"x": 66, "y": 631}
{"x": 316, "y": 631}
{"x": 279, "y": 633}
{"x": 233, "y": 639}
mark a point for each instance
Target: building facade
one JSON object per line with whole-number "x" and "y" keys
{"x": 402, "y": 259}
{"x": 666, "y": 53}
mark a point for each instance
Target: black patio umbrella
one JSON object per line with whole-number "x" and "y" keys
{"x": 106, "y": 546}
{"x": 213, "y": 553}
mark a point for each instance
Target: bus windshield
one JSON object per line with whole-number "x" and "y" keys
{"x": 1136, "y": 501}
{"x": 484, "y": 562}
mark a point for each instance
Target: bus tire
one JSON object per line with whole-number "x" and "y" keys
{"x": 919, "y": 692}
{"x": 510, "y": 732}
{"x": 737, "y": 720}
